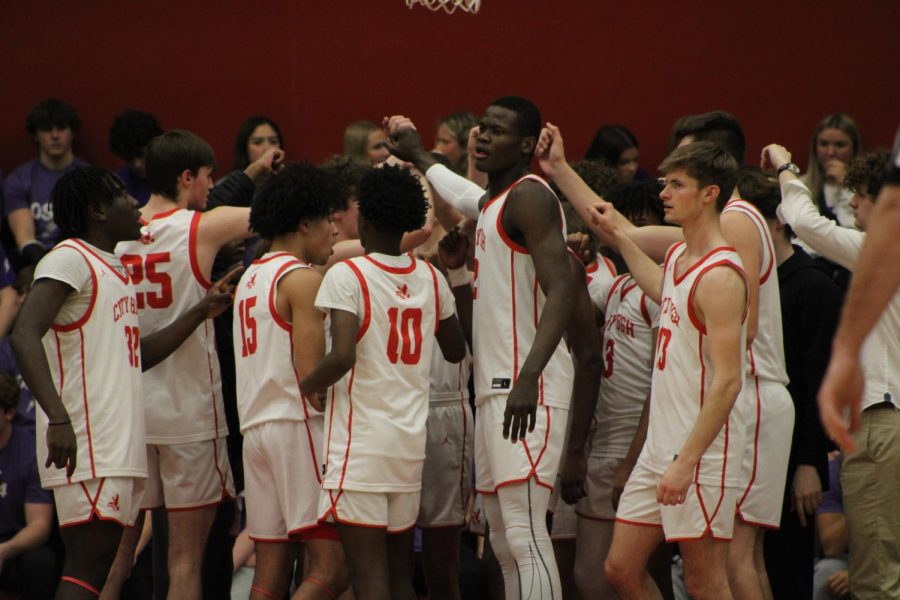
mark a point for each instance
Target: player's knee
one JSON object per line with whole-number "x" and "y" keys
{"x": 331, "y": 577}
{"x": 705, "y": 585}
{"x": 619, "y": 573}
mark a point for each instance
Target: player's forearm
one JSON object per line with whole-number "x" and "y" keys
{"x": 647, "y": 273}
{"x": 457, "y": 191}
{"x": 31, "y": 536}
{"x": 877, "y": 278}
{"x": 463, "y": 296}
{"x": 576, "y": 191}
{"x": 334, "y": 366}
{"x": 8, "y": 308}
{"x": 840, "y": 244}
{"x": 157, "y": 346}
{"x": 715, "y": 411}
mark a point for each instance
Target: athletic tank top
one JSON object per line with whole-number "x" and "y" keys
{"x": 508, "y": 302}
{"x": 627, "y": 367}
{"x": 96, "y": 368}
{"x": 682, "y": 373}
{"x": 376, "y": 414}
{"x": 600, "y": 277}
{"x": 766, "y": 357}
{"x": 183, "y": 393}
{"x": 268, "y": 385}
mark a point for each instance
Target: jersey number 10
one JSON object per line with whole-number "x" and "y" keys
{"x": 410, "y": 350}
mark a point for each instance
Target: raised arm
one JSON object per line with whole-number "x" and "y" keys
{"x": 452, "y": 250}
{"x": 406, "y": 144}
{"x": 719, "y": 300}
{"x": 587, "y": 354}
{"x": 839, "y": 244}
{"x": 533, "y": 212}
{"x": 612, "y": 225}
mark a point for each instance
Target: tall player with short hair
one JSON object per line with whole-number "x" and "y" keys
{"x": 82, "y": 314}
{"x": 171, "y": 266}
{"x": 279, "y": 338}
{"x": 386, "y": 310}
{"x": 526, "y": 297}
{"x": 685, "y": 486}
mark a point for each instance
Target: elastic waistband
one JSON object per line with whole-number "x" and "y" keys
{"x": 448, "y": 399}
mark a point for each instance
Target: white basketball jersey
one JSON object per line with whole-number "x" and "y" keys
{"x": 376, "y": 414}
{"x": 682, "y": 374}
{"x": 627, "y": 367}
{"x": 508, "y": 302}
{"x": 183, "y": 393}
{"x": 600, "y": 277}
{"x": 268, "y": 385}
{"x": 96, "y": 367}
{"x": 766, "y": 358}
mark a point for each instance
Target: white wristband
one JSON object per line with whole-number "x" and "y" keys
{"x": 458, "y": 277}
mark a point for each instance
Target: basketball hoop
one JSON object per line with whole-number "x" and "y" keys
{"x": 449, "y": 6}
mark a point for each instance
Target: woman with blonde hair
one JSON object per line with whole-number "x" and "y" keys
{"x": 835, "y": 142}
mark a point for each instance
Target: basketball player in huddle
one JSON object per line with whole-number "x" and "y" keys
{"x": 386, "y": 310}
{"x": 768, "y": 409}
{"x": 90, "y": 388}
{"x": 525, "y": 298}
{"x": 685, "y": 486}
{"x": 170, "y": 266}
{"x": 279, "y": 338}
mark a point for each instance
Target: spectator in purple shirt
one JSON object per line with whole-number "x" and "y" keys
{"x": 26, "y": 203}
{"x": 129, "y": 135}
{"x": 832, "y": 581}
{"x": 28, "y": 566}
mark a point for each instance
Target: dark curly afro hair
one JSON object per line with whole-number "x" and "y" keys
{"x": 392, "y": 199}
{"x": 297, "y": 193}
{"x": 130, "y": 133}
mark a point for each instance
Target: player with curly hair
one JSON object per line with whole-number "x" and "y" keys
{"x": 279, "y": 338}
{"x": 386, "y": 309}
{"x": 129, "y": 135}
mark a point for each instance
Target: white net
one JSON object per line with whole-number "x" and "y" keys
{"x": 449, "y": 6}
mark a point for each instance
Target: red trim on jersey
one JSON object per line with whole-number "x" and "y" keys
{"x": 123, "y": 276}
{"x": 707, "y": 532}
{"x": 312, "y": 445}
{"x": 349, "y": 428}
{"x": 395, "y": 270}
{"x": 367, "y": 305}
{"x": 90, "y": 309}
{"x": 592, "y": 267}
{"x": 670, "y": 252}
{"x": 505, "y": 236}
{"x": 508, "y": 189}
{"x": 626, "y": 289}
{"x": 637, "y": 523}
{"x": 166, "y": 213}
{"x": 272, "y": 256}
{"x": 437, "y": 299}
{"x": 330, "y": 425}
{"x": 274, "y": 288}
{"x": 319, "y": 531}
{"x": 645, "y": 312}
{"x": 612, "y": 288}
{"x": 222, "y": 479}
{"x": 192, "y": 251}
{"x": 762, "y": 228}
{"x": 692, "y": 314}
{"x": 87, "y": 414}
{"x": 82, "y": 584}
{"x": 610, "y": 266}
{"x": 699, "y": 263}
{"x": 515, "y": 333}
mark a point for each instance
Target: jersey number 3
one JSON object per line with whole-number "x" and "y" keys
{"x": 410, "y": 350}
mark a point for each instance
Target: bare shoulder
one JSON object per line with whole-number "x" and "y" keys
{"x": 722, "y": 290}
